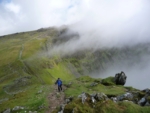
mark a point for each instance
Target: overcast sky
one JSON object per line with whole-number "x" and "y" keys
{"x": 25, "y": 15}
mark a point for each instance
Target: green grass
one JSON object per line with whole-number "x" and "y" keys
{"x": 60, "y": 71}
{"x": 13, "y": 67}
{"x": 82, "y": 84}
{"x": 108, "y": 81}
{"x": 22, "y": 55}
{"x": 29, "y": 98}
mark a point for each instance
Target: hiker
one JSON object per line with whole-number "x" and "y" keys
{"x": 59, "y": 83}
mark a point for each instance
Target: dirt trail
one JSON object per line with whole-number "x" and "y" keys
{"x": 20, "y": 54}
{"x": 55, "y": 98}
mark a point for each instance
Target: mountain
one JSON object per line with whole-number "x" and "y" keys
{"x": 30, "y": 62}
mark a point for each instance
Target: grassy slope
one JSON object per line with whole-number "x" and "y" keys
{"x": 19, "y": 58}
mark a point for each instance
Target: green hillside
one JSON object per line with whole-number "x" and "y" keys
{"x": 23, "y": 69}
{"x": 27, "y": 68}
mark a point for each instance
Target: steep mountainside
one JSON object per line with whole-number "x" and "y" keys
{"x": 29, "y": 64}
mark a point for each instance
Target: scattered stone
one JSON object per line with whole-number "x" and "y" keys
{"x": 114, "y": 99}
{"x": 120, "y": 78}
{"x": 93, "y": 84}
{"x": 69, "y": 99}
{"x": 69, "y": 83}
{"x": 126, "y": 96}
{"x": 73, "y": 110}
{"x": 62, "y": 107}
{"x": 147, "y": 104}
{"x": 39, "y": 92}
{"x": 7, "y": 110}
{"x": 17, "y": 108}
{"x": 147, "y": 91}
{"x": 83, "y": 97}
{"x": 93, "y": 99}
{"x": 41, "y": 107}
{"x": 100, "y": 96}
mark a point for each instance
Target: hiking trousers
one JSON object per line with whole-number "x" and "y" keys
{"x": 59, "y": 88}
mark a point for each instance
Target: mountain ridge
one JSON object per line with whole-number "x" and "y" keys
{"x": 29, "y": 61}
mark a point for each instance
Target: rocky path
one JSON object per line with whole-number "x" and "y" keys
{"x": 55, "y": 98}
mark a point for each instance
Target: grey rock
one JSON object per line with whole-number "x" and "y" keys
{"x": 41, "y": 107}
{"x": 93, "y": 84}
{"x": 69, "y": 99}
{"x": 147, "y": 91}
{"x": 126, "y": 96}
{"x": 93, "y": 99}
{"x": 40, "y": 91}
{"x": 142, "y": 102}
{"x": 73, "y": 111}
{"x": 114, "y": 99}
{"x": 60, "y": 112}
{"x": 69, "y": 83}
{"x": 62, "y": 107}
{"x": 7, "y": 111}
{"x": 16, "y": 108}
{"x": 147, "y": 104}
{"x": 83, "y": 97}
{"x": 100, "y": 96}
{"x": 120, "y": 78}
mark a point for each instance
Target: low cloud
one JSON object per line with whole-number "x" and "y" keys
{"x": 116, "y": 24}
{"x": 110, "y": 24}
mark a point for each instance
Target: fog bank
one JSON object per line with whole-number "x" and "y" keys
{"x": 109, "y": 24}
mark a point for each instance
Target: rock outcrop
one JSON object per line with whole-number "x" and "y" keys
{"x": 120, "y": 78}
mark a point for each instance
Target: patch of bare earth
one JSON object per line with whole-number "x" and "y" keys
{"x": 55, "y": 98}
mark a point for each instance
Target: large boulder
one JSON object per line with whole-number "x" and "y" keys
{"x": 120, "y": 78}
